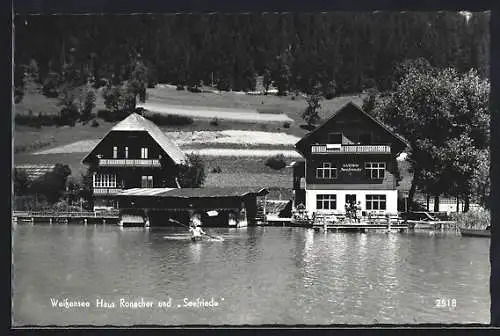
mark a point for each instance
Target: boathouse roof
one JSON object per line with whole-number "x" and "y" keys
{"x": 136, "y": 122}
{"x": 205, "y": 192}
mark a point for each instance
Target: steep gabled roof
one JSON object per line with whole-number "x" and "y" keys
{"x": 400, "y": 139}
{"x": 136, "y": 122}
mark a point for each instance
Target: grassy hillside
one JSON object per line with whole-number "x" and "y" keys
{"x": 235, "y": 171}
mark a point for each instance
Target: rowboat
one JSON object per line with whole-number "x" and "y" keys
{"x": 475, "y": 233}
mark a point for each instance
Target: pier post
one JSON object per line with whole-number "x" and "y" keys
{"x": 104, "y": 221}
{"x": 50, "y": 220}
{"x": 85, "y": 221}
{"x": 32, "y": 220}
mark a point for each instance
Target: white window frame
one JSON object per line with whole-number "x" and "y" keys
{"x": 115, "y": 152}
{"x": 376, "y": 202}
{"x": 326, "y": 202}
{"x": 104, "y": 180}
{"x": 146, "y": 181}
{"x": 326, "y": 172}
{"x": 126, "y": 152}
{"x": 144, "y": 152}
{"x": 376, "y": 170}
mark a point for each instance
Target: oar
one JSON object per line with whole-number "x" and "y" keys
{"x": 213, "y": 237}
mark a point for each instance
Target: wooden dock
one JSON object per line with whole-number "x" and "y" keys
{"x": 65, "y": 217}
{"x": 432, "y": 225}
{"x": 345, "y": 224}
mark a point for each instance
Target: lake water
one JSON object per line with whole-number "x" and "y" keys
{"x": 257, "y": 275}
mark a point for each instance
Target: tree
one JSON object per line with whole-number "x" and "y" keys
{"x": 138, "y": 82}
{"x": 52, "y": 185}
{"x": 21, "y": 182}
{"x": 72, "y": 190}
{"x": 480, "y": 183}
{"x": 310, "y": 114}
{"x": 329, "y": 89}
{"x": 267, "y": 80}
{"x": 370, "y": 101}
{"x": 70, "y": 112}
{"x": 444, "y": 117}
{"x": 88, "y": 104}
{"x": 192, "y": 173}
{"x": 86, "y": 190}
{"x": 119, "y": 99}
{"x": 283, "y": 73}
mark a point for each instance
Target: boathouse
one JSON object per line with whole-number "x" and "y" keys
{"x": 214, "y": 206}
{"x": 351, "y": 157}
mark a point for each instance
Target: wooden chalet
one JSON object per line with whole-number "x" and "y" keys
{"x": 135, "y": 153}
{"x": 351, "y": 157}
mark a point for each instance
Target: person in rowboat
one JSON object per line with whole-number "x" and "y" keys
{"x": 196, "y": 232}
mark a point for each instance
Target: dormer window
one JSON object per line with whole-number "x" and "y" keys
{"x": 126, "y": 152}
{"x": 115, "y": 152}
{"x": 335, "y": 138}
{"x": 144, "y": 153}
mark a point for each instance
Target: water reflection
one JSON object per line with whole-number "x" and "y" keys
{"x": 195, "y": 249}
{"x": 264, "y": 275}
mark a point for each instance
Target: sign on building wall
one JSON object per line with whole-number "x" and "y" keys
{"x": 350, "y": 167}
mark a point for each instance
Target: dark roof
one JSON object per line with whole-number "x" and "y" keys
{"x": 351, "y": 104}
{"x": 204, "y": 192}
{"x": 136, "y": 122}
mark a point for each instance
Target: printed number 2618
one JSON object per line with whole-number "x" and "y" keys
{"x": 446, "y": 303}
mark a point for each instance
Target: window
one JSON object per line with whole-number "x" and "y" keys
{"x": 104, "y": 181}
{"x": 375, "y": 170}
{"x": 126, "y": 152}
{"x": 375, "y": 202}
{"x": 326, "y": 202}
{"x": 147, "y": 182}
{"x": 334, "y": 138}
{"x": 144, "y": 153}
{"x": 326, "y": 171}
{"x": 115, "y": 152}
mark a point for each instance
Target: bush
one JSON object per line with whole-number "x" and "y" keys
{"x": 194, "y": 89}
{"x": 94, "y": 123}
{"x": 180, "y": 87}
{"x": 168, "y": 119}
{"x": 111, "y": 116}
{"x": 216, "y": 170}
{"x": 192, "y": 174}
{"x": 276, "y": 162}
{"x": 37, "y": 121}
{"x": 286, "y": 124}
{"x": 478, "y": 218}
{"x": 51, "y": 85}
{"x": 214, "y": 122}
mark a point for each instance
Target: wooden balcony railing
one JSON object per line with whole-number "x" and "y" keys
{"x": 106, "y": 191}
{"x": 371, "y": 149}
{"x": 129, "y": 162}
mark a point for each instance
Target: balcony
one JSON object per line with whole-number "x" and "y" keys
{"x": 350, "y": 149}
{"x": 106, "y": 191}
{"x": 129, "y": 163}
